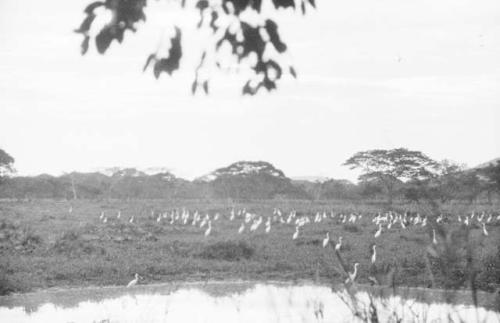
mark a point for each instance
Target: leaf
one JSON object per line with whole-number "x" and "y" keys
{"x": 205, "y": 87}
{"x": 148, "y": 61}
{"x": 91, "y": 7}
{"x": 272, "y": 30}
{"x": 85, "y": 45}
{"x": 103, "y": 40}
{"x": 194, "y": 86}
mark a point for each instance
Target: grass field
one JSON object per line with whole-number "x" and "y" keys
{"x": 43, "y": 244}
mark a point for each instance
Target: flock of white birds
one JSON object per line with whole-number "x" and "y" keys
{"x": 251, "y": 222}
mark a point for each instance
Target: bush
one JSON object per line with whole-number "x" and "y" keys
{"x": 72, "y": 245}
{"x": 228, "y": 250}
{"x": 351, "y": 228}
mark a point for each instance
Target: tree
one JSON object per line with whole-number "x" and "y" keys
{"x": 392, "y": 167}
{"x": 6, "y": 164}
{"x": 491, "y": 178}
{"x": 228, "y": 24}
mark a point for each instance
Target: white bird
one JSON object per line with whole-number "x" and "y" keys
{"x": 119, "y": 214}
{"x": 209, "y": 229}
{"x": 296, "y": 234}
{"x": 485, "y": 232}
{"x": 374, "y": 254}
{"x": 434, "y": 241}
{"x": 102, "y": 215}
{"x": 131, "y": 219}
{"x": 326, "y": 240}
{"x": 134, "y": 281}
{"x": 339, "y": 244}
{"x": 105, "y": 220}
{"x": 379, "y": 231}
{"x": 242, "y": 227}
{"x": 352, "y": 276}
{"x": 70, "y": 209}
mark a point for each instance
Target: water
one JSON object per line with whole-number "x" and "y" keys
{"x": 225, "y": 302}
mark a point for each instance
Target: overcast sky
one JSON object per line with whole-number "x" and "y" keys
{"x": 372, "y": 74}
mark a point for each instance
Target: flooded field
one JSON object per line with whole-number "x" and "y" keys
{"x": 236, "y": 302}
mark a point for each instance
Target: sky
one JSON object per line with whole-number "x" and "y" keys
{"x": 371, "y": 74}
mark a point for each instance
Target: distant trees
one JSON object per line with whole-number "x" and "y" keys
{"x": 392, "y": 167}
{"x": 6, "y": 164}
{"x": 234, "y": 33}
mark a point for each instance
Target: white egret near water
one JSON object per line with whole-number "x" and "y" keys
{"x": 134, "y": 281}
{"x": 352, "y": 276}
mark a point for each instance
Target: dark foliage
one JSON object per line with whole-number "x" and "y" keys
{"x": 228, "y": 250}
{"x": 244, "y": 38}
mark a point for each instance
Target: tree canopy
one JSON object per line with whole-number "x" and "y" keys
{"x": 6, "y": 164}
{"x": 225, "y": 19}
{"x": 392, "y": 166}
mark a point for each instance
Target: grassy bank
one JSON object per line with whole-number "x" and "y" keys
{"x": 43, "y": 244}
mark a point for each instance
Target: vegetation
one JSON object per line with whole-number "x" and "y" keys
{"x": 6, "y": 165}
{"x": 46, "y": 243}
{"x": 226, "y": 23}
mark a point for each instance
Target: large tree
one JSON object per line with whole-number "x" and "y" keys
{"x": 391, "y": 167}
{"x": 6, "y": 164}
{"x": 242, "y": 25}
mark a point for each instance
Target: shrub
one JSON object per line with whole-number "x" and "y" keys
{"x": 228, "y": 250}
{"x": 351, "y": 228}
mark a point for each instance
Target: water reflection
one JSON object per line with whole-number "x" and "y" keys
{"x": 228, "y": 303}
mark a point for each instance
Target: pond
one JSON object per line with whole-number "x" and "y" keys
{"x": 235, "y": 302}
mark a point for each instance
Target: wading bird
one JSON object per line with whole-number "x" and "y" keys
{"x": 209, "y": 229}
{"x": 379, "y": 231}
{"x": 134, "y": 281}
{"x": 352, "y": 276}
{"x": 485, "y": 232}
{"x": 339, "y": 244}
{"x": 374, "y": 254}
{"x": 434, "y": 241}
{"x": 296, "y": 234}
{"x": 242, "y": 227}
{"x": 326, "y": 240}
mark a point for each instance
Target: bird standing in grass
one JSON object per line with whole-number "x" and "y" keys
{"x": 209, "y": 229}
{"x": 379, "y": 231}
{"x": 296, "y": 234}
{"x": 352, "y": 276}
{"x": 134, "y": 281}
{"x": 434, "y": 241}
{"x": 242, "y": 228}
{"x": 339, "y": 244}
{"x": 485, "y": 232}
{"x": 131, "y": 219}
{"x": 374, "y": 254}
{"x": 326, "y": 240}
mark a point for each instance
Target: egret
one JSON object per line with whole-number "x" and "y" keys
{"x": 131, "y": 219}
{"x": 379, "y": 231}
{"x": 352, "y": 276}
{"x": 70, "y": 209}
{"x": 374, "y": 253}
{"x": 339, "y": 244}
{"x": 485, "y": 232}
{"x": 209, "y": 229}
{"x": 105, "y": 220}
{"x": 434, "y": 241}
{"x": 242, "y": 227}
{"x": 134, "y": 281}
{"x": 326, "y": 240}
{"x": 296, "y": 234}
{"x": 119, "y": 214}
